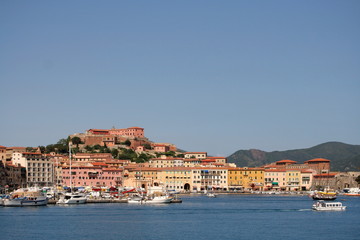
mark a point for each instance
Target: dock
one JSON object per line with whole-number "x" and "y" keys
{"x": 53, "y": 201}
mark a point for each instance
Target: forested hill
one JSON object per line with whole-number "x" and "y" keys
{"x": 344, "y": 157}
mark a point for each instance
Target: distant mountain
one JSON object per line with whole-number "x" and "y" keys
{"x": 344, "y": 157}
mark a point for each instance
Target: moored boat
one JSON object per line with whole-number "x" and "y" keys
{"x": 211, "y": 195}
{"x": 352, "y": 192}
{"x": 72, "y": 198}
{"x": 26, "y": 197}
{"x": 324, "y": 195}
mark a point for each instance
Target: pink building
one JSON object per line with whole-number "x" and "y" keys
{"x": 131, "y": 132}
{"x": 94, "y": 176}
{"x": 161, "y": 148}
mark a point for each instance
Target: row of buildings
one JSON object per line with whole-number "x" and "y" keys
{"x": 193, "y": 171}
{"x": 181, "y": 174}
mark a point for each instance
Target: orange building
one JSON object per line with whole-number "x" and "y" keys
{"x": 320, "y": 165}
{"x": 161, "y": 148}
{"x": 3, "y": 154}
{"x": 130, "y": 132}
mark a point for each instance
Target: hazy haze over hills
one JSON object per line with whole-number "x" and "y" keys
{"x": 344, "y": 157}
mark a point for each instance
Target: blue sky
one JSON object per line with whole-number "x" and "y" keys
{"x": 215, "y": 76}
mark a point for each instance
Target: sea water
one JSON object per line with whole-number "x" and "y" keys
{"x": 197, "y": 217}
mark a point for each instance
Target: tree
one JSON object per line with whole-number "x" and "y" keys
{"x": 42, "y": 149}
{"x": 147, "y": 146}
{"x": 97, "y": 147}
{"x": 127, "y": 143}
{"x": 358, "y": 179}
{"x": 88, "y": 148}
{"x": 76, "y": 141}
{"x": 114, "y": 152}
{"x": 30, "y": 149}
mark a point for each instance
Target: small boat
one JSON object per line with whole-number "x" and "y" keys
{"x": 136, "y": 199}
{"x": 352, "y": 192}
{"x": 72, "y": 198}
{"x": 211, "y": 195}
{"x": 159, "y": 199}
{"x": 328, "y": 206}
{"x": 26, "y": 197}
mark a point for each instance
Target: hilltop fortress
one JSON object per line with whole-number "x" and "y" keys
{"x": 113, "y": 138}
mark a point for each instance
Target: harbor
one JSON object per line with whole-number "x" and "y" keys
{"x": 227, "y": 216}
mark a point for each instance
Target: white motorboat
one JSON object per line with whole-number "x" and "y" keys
{"x": 160, "y": 199}
{"x": 150, "y": 199}
{"x": 328, "y": 206}
{"x": 72, "y": 198}
{"x": 211, "y": 195}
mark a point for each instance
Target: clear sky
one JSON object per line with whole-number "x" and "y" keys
{"x": 215, "y": 76}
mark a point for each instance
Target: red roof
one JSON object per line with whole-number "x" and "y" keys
{"x": 286, "y": 161}
{"x": 208, "y": 160}
{"x": 99, "y": 164}
{"x": 275, "y": 170}
{"x": 2, "y": 146}
{"x": 325, "y": 175}
{"x": 32, "y": 153}
{"x": 317, "y": 160}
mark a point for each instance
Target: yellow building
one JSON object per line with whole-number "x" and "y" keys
{"x": 166, "y": 162}
{"x": 246, "y": 178}
{"x": 175, "y": 178}
{"x": 293, "y": 177}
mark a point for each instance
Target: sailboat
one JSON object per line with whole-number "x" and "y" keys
{"x": 71, "y": 198}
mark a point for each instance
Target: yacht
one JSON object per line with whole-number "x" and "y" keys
{"x": 328, "y": 206}
{"x": 72, "y": 198}
{"x": 26, "y": 197}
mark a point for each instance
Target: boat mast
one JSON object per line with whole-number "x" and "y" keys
{"x": 70, "y": 167}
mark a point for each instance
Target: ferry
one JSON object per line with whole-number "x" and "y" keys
{"x": 328, "y": 206}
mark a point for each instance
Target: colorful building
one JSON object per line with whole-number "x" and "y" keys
{"x": 199, "y": 155}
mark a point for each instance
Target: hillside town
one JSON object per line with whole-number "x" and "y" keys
{"x": 97, "y": 160}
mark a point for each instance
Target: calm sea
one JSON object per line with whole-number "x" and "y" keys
{"x": 198, "y": 217}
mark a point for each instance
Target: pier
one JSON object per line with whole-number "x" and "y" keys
{"x": 53, "y": 201}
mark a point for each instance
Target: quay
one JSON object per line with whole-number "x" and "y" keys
{"x": 53, "y": 201}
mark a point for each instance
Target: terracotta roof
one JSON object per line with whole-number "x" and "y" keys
{"x": 318, "y": 160}
{"x": 208, "y": 160}
{"x": 99, "y": 164}
{"x": 325, "y": 175}
{"x": 192, "y": 160}
{"x": 112, "y": 169}
{"x": 275, "y": 170}
{"x": 31, "y": 153}
{"x": 2, "y": 146}
{"x": 286, "y": 161}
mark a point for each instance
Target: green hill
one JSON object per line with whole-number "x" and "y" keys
{"x": 344, "y": 157}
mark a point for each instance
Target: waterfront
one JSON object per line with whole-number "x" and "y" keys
{"x": 198, "y": 217}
